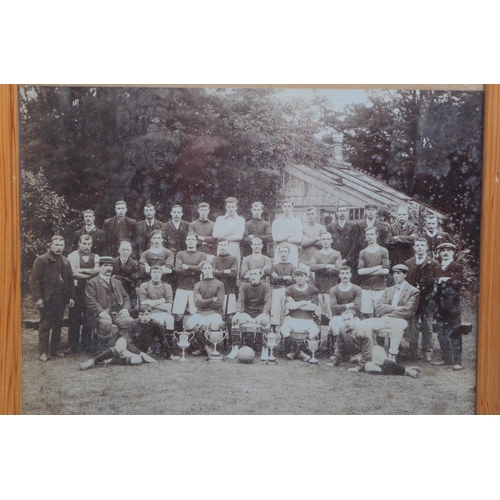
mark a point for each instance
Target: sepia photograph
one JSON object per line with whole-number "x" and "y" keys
{"x": 239, "y": 251}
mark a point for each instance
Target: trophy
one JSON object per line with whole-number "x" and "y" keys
{"x": 313, "y": 345}
{"x": 214, "y": 337}
{"x": 272, "y": 340}
{"x": 183, "y": 341}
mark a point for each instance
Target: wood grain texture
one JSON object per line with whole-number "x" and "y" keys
{"x": 10, "y": 265}
{"x": 488, "y": 376}
{"x": 488, "y": 373}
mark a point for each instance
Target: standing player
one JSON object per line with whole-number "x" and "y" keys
{"x": 311, "y": 234}
{"x": 119, "y": 228}
{"x": 53, "y": 288}
{"x": 256, "y": 226}
{"x": 85, "y": 265}
{"x": 325, "y": 265}
{"x": 231, "y": 226}
{"x": 203, "y": 228}
{"x": 287, "y": 229}
{"x": 187, "y": 266}
{"x": 343, "y": 296}
{"x": 98, "y": 235}
{"x": 422, "y": 272}
{"x": 157, "y": 255}
{"x": 254, "y": 261}
{"x": 281, "y": 278}
{"x": 369, "y": 222}
{"x": 301, "y": 302}
{"x": 373, "y": 267}
{"x": 145, "y": 227}
{"x": 226, "y": 270}
{"x": 175, "y": 231}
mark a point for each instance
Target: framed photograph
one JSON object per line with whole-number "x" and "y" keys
{"x": 347, "y": 267}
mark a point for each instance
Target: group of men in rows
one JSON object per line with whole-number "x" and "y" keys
{"x": 210, "y": 275}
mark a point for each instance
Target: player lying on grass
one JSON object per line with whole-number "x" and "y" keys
{"x": 132, "y": 350}
{"x": 355, "y": 345}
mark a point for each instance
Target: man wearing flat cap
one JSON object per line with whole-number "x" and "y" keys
{"x": 371, "y": 221}
{"x": 301, "y": 302}
{"x": 397, "y": 309}
{"x": 108, "y": 302}
{"x": 449, "y": 278}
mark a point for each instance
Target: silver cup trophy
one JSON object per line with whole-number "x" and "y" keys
{"x": 272, "y": 340}
{"x": 183, "y": 341}
{"x": 214, "y": 337}
{"x": 313, "y": 345}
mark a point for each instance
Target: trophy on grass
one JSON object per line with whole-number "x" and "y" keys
{"x": 313, "y": 345}
{"x": 214, "y": 337}
{"x": 183, "y": 341}
{"x": 272, "y": 340}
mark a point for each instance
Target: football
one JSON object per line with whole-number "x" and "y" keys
{"x": 246, "y": 355}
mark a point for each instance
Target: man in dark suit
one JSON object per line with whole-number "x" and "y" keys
{"x": 109, "y": 304}
{"x": 119, "y": 228}
{"x": 345, "y": 238}
{"x": 53, "y": 288}
{"x": 371, "y": 221}
{"x": 422, "y": 271}
{"x": 449, "y": 278}
{"x": 145, "y": 227}
{"x": 126, "y": 270}
{"x": 175, "y": 231}
{"x": 98, "y": 235}
{"x": 434, "y": 236}
{"x": 397, "y": 309}
{"x": 401, "y": 237}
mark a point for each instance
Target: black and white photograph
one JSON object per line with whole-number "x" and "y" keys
{"x": 213, "y": 250}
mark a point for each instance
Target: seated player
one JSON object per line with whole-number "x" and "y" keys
{"x": 208, "y": 298}
{"x": 255, "y": 260}
{"x": 157, "y": 255}
{"x": 253, "y": 306}
{"x": 132, "y": 350}
{"x": 397, "y": 309}
{"x": 301, "y": 301}
{"x": 355, "y": 345}
{"x": 281, "y": 278}
{"x": 343, "y": 296}
{"x": 159, "y": 297}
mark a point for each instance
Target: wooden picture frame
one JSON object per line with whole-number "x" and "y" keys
{"x": 488, "y": 369}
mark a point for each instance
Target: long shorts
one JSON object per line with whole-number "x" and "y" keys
{"x": 182, "y": 299}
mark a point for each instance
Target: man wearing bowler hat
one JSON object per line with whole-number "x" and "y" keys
{"x": 449, "y": 278}
{"x": 397, "y": 309}
{"x": 110, "y": 305}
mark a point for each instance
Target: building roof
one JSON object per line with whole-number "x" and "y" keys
{"x": 354, "y": 187}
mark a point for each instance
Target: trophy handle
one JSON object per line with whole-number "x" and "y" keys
{"x": 190, "y": 337}
{"x": 224, "y": 335}
{"x": 264, "y": 337}
{"x": 206, "y": 336}
{"x": 306, "y": 342}
{"x": 319, "y": 343}
{"x": 176, "y": 336}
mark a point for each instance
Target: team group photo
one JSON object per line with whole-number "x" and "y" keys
{"x": 249, "y": 251}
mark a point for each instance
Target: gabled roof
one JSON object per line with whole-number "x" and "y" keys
{"x": 354, "y": 187}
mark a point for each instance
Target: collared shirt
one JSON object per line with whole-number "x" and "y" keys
{"x": 234, "y": 224}
{"x": 91, "y": 230}
{"x": 105, "y": 278}
{"x": 418, "y": 261}
{"x": 431, "y": 234}
{"x": 446, "y": 263}
{"x": 342, "y": 223}
{"x": 285, "y": 227}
